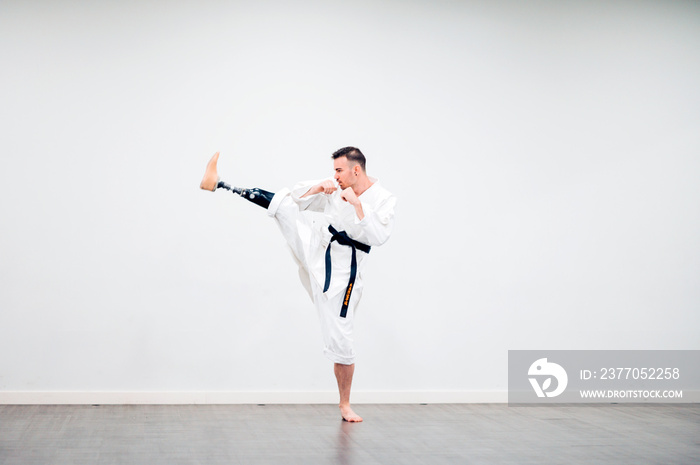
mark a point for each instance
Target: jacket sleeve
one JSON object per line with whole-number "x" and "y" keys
{"x": 315, "y": 202}
{"x": 378, "y": 221}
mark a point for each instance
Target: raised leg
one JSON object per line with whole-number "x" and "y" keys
{"x": 210, "y": 182}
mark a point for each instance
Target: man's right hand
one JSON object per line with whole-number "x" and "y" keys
{"x": 326, "y": 187}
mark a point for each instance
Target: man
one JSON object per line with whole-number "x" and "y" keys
{"x": 330, "y": 249}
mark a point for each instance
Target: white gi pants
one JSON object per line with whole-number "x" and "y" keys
{"x": 305, "y": 239}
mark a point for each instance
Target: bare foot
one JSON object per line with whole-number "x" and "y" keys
{"x": 349, "y": 415}
{"x": 211, "y": 178}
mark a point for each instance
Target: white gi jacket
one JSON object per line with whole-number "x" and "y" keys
{"x": 313, "y": 235}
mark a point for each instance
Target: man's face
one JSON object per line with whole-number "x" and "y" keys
{"x": 344, "y": 172}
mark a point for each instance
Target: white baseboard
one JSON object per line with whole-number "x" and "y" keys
{"x": 231, "y": 397}
{"x": 261, "y": 397}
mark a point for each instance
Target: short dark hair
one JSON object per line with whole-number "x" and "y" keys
{"x": 352, "y": 154}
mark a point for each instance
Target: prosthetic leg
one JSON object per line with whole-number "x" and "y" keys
{"x": 211, "y": 182}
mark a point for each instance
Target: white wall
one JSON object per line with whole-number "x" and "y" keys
{"x": 546, "y": 156}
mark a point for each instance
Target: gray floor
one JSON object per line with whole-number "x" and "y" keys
{"x": 314, "y": 434}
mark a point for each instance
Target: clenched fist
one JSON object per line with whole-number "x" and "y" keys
{"x": 349, "y": 196}
{"x": 326, "y": 187}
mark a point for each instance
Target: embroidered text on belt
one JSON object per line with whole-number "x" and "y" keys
{"x": 343, "y": 239}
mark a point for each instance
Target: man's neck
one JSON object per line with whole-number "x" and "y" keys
{"x": 362, "y": 184}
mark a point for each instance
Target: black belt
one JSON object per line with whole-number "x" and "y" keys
{"x": 343, "y": 239}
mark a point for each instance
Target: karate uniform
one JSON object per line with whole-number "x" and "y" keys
{"x": 304, "y": 223}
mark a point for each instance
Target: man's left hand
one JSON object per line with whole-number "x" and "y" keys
{"x": 350, "y": 197}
